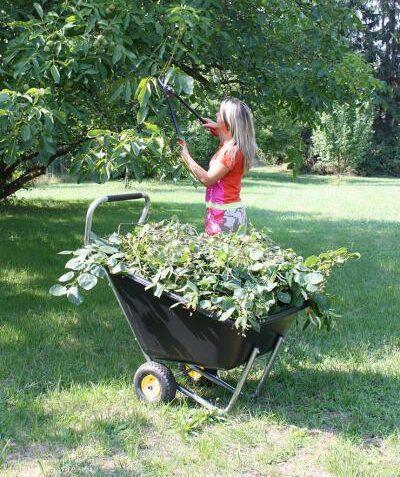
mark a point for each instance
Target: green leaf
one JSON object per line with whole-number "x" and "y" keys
{"x": 117, "y": 93}
{"x": 75, "y": 263}
{"x": 159, "y": 289}
{"x": 58, "y": 290}
{"x": 128, "y": 91}
{"x": 118, "y": 268}
{"x": 270, "y": 286}
{"x": 217, "y": 299}
{"x": 192, "y": 286}
{"x": 301, "y": 268}
{"x": 97, "y": 132}
{"x": 284, "y": 297}
{"x": 108, "y": 249}
{"x": 66, "y": 277}
{"x": 187, "y": 84}
{"x": 143, "y": 92}
{"x": 311, "y": 261}
{"x": 87, "y": 281}
{"x": 117, "y": 55}
{"x": 39, "y": 9}
{"x": 222, "y": 255}
{"x": 314, "y": 278}
{"x": 321, "y": 301}
{"x": 256, "y": 267}
{"x": 152, "y": 127}
{"x": 227, "y": 314}
{"x": 311, "y": 287}
{"x": 135, "y": 148}
{"x": 238, "y": 293}
{"x": 55, "y": 73}
{"x": 184, "y": 83}
{"x": 98, "y": 271}
{"x": 25, "y": 133}
{"x": 205, "y": 304}
{"x": 12, "y": 152}
{"x": 74, "y": 296}
{"x": 4, "y": 97}
{"x": 256, "y": 255}
{"x": 141, "y": 115}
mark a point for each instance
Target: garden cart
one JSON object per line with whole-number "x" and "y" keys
{"x": 195, "y": 340}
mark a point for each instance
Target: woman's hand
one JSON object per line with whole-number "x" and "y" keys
{"x": 184, "y": 149}
{"x": 211, "y": 126}
{"x": 207, "y": 178}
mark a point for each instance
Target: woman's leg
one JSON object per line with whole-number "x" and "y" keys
{"x": 227, "y": 221}
{"x": 214, "y": 219}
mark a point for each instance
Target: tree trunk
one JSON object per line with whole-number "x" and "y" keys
{"x": 10, "y": 185}
{"x": 20, "y": 182}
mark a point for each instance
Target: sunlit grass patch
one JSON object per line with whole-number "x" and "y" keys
{"x": 67, "y": 406}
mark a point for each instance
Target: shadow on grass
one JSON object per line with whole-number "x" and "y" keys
{"x": 303, "y": 179}
{"x": 361, "y": 404}
{"x": 36, "y": 433}
{"x": 48, "y": 343}
{"x": 356, "y": 403}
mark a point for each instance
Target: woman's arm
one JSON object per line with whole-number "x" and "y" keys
{"x": 207, "y": 178}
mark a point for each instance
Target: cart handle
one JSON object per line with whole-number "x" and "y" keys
{"x": 114, "y": 198}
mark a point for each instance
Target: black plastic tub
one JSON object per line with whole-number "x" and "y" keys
{"x": 184, "y": 336}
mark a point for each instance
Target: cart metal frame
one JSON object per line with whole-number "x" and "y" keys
{"x": 235, "y": 391}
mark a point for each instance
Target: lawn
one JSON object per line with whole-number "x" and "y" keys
{"x": 67, "y": 407}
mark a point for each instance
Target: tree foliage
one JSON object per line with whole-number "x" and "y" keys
{"x": 341, "y": 140}
{"x": 78, "y": 77}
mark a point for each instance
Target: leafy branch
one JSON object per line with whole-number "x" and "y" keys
{"x": 240, "y": 278}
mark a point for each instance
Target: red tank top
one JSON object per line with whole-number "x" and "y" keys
{"x": 227, "y": 189}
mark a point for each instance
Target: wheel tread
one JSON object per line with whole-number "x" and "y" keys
{"x": 165, "y": 376}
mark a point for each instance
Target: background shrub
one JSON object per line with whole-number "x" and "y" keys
{"x": 342, "y": 139}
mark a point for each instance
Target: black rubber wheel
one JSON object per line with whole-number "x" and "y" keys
{"x": 195, "y": 376}
{"x": 154, "y": 382}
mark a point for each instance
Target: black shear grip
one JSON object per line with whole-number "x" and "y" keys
{"x": 169, "y": 93}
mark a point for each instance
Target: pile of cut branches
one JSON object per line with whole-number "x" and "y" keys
{"x": 242, "y": 278}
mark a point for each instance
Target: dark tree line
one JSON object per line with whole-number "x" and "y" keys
{"x": 379, "y": 42}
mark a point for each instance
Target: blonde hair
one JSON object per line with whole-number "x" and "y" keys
{"x": 239, "y": 120}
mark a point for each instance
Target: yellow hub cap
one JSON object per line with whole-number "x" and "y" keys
{"x": 150, "y": 386}
{"x": 193, "y": 374}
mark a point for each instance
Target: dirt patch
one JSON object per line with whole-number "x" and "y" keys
{"x": 33, "y": 452}
{"x": 305, "y": 461}
{"x": 28, "y": 468}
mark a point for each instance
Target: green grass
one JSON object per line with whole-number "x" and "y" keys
{"x": 332, "y": 404}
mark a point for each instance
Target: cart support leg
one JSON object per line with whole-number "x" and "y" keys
{"x": 242, "y": 380}
{"x": 197, "y": 398}
{"x": 211, "y": 377}
{"x": 268, "y": 368}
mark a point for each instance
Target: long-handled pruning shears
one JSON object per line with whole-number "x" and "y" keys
{"x": 169, "y": 93}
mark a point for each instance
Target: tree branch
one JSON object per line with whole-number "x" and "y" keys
{"x": 36, "y": 171}
{"x": 192, "y": 72}
{"x": 28, "y": 157}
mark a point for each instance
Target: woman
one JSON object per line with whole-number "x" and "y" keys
{"x": 235, "y": 129}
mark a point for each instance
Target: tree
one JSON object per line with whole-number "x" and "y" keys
{"x": 78, "y": 78}
{"x": 379, "y": 42}
{"x": 342, "y": 138}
